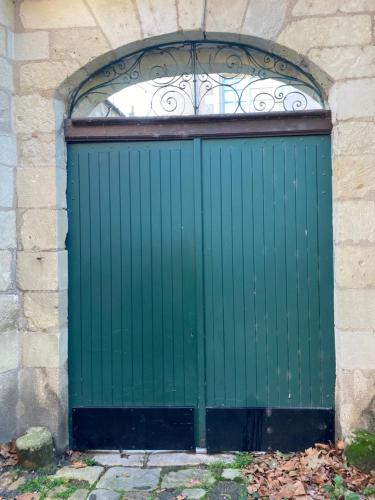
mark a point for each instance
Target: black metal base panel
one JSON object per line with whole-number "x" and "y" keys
{"x": 262, "y": 429}
{"x": 133, "y": 429}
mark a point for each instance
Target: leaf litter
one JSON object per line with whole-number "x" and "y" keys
{"x": 304, "y": 475}
{"x": 8, "y": 454}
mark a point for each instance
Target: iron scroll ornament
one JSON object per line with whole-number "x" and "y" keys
{"x": 179, "y": 79}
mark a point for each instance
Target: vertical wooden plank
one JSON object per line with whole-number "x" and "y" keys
{"x": 280, "y": 273}
{"x": 167, "y": 292}
{"x": 259, "y": 272}
{"x": 302, "y": 272}
{"x": 126, "y": 279}
{"x": 146, "y": 284}
{"x": 199, "y": 291}
{"x": 116, "y": 272}
{"x": 209, "y": 309}
{"x": 313, "y": 271}
{"x": 325, "y": 271}
{"x": 270, "y": 272}
{"x": 106, "y": 277}
{"x": 226, "y": 222}
{"x": 291, "y": 274}
{"x": 238, "y": 276}
{"x": 217, "y": 284}
{"x": 95, "y": 272}
{"x": 192, "y": 294}
{"x": 136, "y": 277}
{"x": 249, "y": 275}
{"x": 85, "y": 256}
{"x": 176, "y": 251}
{"x": 74, "y": 252}
{"x": 157, "y": 273}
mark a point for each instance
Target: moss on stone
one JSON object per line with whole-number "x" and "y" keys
{"x": 35, "y": 448}
{"x": 360, "y": 450}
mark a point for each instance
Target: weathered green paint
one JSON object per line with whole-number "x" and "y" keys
{"x": 268, "y": 272}
{"x": 132, "y": 302}
{"x": 200, "y": 274}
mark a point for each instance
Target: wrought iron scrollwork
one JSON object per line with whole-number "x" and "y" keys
{"x": 181, "y": 77}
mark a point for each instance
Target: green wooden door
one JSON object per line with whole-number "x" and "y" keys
{"x": 132, "y": 307}
{"x": 200, "y": 276}
{"x": 268, "y": 272}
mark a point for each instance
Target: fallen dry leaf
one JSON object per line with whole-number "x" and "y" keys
{"x": 322, "y": 446}
{"x": 340, "y": 444}
{"x": 299, "y": 489}
{"x": 302, "y": 476}
{"x": 78, "y": 465}
{"x": 9, "y": 453}
{"x": 192, "y": 483}
{"x": 26, "y": 496}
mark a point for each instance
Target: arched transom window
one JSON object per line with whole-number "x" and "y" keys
{"x": 196, "y": 78}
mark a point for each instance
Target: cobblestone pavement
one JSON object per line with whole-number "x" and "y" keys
{"x": 131, "y": 476}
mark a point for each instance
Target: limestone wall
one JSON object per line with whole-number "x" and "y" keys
{"x": 56, "y": 44}
{"x": 9, "y": 296}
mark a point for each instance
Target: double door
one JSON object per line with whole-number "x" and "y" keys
{"x": 200, "y": 293}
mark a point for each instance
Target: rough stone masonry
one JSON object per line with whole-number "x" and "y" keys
{"x": 47, "y": 47}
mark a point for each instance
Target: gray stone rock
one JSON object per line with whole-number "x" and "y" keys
{"x": 166, "y": 495}
{"x": 193, "y": 493}
{"x": 6, "y": 479}
{"x": 230, "y": 490}
{"x": 111, "y": 459}
{"x": 35, "y": 448}
{"x": 80, "y": 494}
{"x": 128, "y": 479}
{"x": 88, "y": 474}
{"x": 231, "y": 474}
{"x": 52, "y": 494}
{"x": 159, "y": 459}
{"x": 17, "y": 484}
{"x": 101, "y": 494}
{"x": 187, "y": 477}
{"x": 140, "y": 495}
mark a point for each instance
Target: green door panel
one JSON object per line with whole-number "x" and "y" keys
{"x": 200, "y": 274}
{"x": 268, "y": 272}
{"x": 132, "y": 296}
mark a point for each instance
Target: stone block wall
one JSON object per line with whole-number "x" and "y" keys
{"x": 9, "y": 296}
{"x": 57, "y": 43}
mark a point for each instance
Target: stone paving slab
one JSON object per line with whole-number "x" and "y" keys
{"x": 231, "y": 474}
{"x": 162, "y": 459}
{"x": 80, "y": 494}
{"x": 55, "y": 491}
{"x": 6, "y": 479}
{"x": 230, "y": 490}
{"x": 89, "y": 474}
{"x": 128, "y": 479}
{"x": 101, "y": 494}
{"x": 193, "y": 493}
{"x": 186, "y": 478}
{"x": 17, "y": 484}
{"x": 141, "y": 495}
{"x": 126, "y": 460}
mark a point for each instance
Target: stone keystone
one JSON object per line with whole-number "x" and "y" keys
{"x": 35, "y": 448}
